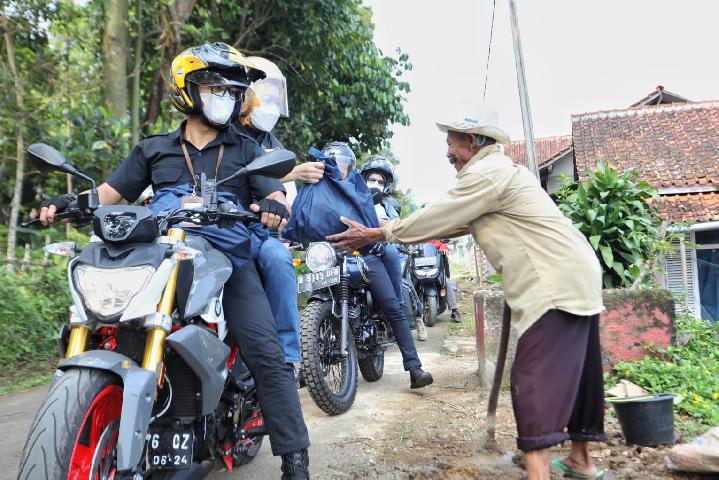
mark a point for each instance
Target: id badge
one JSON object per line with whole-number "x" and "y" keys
{"x": 190, "y": 202}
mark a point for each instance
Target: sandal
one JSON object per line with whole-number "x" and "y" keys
{"x": 569, "y": 473}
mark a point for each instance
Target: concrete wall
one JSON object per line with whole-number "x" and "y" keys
{"x": 633, "y": 318}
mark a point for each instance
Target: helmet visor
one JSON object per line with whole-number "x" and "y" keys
{"x": 271, "y": 94}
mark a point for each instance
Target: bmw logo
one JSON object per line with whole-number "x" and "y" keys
{"x": 218, "y": 308}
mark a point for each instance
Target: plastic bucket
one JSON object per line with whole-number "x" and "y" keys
{"x": 646, "y": 419}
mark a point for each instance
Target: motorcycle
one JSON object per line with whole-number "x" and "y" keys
{"x": 341, "y": 328}
{"x": 430, "y": 281}
{"x": 150, "y": 385}
{"x": 412, "y": 303}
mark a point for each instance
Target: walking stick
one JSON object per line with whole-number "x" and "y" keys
{"x": 498, "y": 373}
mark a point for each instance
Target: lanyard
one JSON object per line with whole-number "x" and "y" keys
{"x": 192, "y": 170}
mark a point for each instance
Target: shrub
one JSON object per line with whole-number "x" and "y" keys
{"x": 690, "y": 370}
{"x": 611, "y": 210}
{"x": 34, "y": 306}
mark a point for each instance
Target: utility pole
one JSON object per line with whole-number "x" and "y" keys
{"x": 523, "y": 96}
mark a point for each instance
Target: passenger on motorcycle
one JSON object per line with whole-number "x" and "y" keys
{"x": 207, "y": 84}
{"x": 381, "y": 287}
{"x": 378, "y": 173}
{"x": 265, "y": 102}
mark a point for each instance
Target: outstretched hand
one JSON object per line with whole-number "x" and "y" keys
{"x": 356, "y": 236}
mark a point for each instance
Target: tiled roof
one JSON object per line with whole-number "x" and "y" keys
{"x": 675, "y": 144}
{"x": 696, "y": 207}
{"x": 544, "y": 148}
{"x": 658, "y": 96}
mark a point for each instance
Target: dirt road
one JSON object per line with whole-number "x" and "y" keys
{"x": 339, "y": 444}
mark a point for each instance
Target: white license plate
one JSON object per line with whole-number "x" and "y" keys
{"x": 170, "y": 448}
{"x": 425, "y": 262}
{"x": 316, "y": 280}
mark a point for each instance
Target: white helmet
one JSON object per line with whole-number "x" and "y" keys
{"x": 270, "y": 96}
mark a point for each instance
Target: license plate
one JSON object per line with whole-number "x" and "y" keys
{"x": 316, "y": 280}
{"x": 425, "y": 262}
{"x": 170, "y": 448}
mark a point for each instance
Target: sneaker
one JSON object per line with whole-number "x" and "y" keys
{"x": 419, "y": 378}
{"x": 421, "y": 330}
{"x": 456, "y": 316}
{"x": 295, "y": 465}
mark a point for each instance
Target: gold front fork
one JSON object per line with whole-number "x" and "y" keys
{"x": 155, "y": 344}
{"x": 78, "y": 341}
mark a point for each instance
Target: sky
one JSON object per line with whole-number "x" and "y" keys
{"x": 580, "y": 56}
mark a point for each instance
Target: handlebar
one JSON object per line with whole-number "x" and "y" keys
{"x": 77, "y": 216}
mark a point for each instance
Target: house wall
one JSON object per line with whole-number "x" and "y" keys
{"x": 562, "y": 166}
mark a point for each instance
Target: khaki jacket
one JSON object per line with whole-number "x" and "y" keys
{"x": 545, "y": 262}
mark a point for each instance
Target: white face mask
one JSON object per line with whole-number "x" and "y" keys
{"x": 264, "y": 120}
{"x": 218, "y": 110}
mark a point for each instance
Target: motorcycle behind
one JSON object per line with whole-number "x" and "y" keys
{"x": 340, "y": 328}
{"x": 150, "y": 385}
{"x": 430, "y": 282}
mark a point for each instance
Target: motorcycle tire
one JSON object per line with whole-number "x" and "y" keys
{"x": 320, "y": 338}
{"x": 407, "y": 305}
{"x": 430, "y": 311}
{"x": 68, "y": 427}
{"x": 372, "y": 366}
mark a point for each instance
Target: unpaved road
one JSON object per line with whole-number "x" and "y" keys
{"x": 339, "y": 444}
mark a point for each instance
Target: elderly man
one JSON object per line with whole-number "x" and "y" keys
{"x": 552, "y": 283}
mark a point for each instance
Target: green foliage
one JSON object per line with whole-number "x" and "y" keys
{"x": 691, "y": 370}
{"x": 341, "y": 87}
{"x": 34, "y": 306}
{"x": 613, "y": 212}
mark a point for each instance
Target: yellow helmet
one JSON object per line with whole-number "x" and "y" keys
{"x": 208, "y": 64}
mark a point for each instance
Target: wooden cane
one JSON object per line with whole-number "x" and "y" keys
{"x": 498, "y": 373}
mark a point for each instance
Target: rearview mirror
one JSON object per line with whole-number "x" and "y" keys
{"x": 47, "y": 159}
{"x": 274, "y": 164}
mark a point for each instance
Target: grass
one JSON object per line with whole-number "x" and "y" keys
{"x": 27, "y": 377}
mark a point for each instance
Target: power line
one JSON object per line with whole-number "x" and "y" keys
{"x": 489, "y": 50}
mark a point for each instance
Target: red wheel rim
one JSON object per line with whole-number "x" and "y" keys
{"x": 106, "y": 407}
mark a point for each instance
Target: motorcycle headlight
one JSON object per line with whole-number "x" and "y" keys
{"x": 320, "y": 256}
{"x": 430, "y": 272}
{"x": 107, "y": 292}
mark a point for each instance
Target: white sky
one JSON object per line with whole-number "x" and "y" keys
{"x": 580, "y": 56}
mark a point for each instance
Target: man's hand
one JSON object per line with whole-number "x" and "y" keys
{"x": 308, "y": 172}
{"x": 55, "y": 205}
{"x": 274, "y": 213}
{"x": 355, "y": 237}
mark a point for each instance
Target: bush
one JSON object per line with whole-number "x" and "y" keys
{"x": 34, "y": 306}
{"x": 690, "y": 370}
{"x": 611, "y": 210}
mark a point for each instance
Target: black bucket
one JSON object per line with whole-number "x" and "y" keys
{"x": 646, "y": 419}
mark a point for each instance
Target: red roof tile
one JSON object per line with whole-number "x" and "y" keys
{"x": 544, "y": 148}
{"x": 675, "y": 144}
{"x": 696, "y": 207}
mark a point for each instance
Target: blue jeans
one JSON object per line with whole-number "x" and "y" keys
{"x": 274, "y": 263}
{"x": 393, "y": 264}
{"x": 384, "y": 294}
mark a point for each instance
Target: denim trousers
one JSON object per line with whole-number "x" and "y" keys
{"x": 274, "y": 263}
{"x": 393, "y": 264}
{"x": 384, "y": 294}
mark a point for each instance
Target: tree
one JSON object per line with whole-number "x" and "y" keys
{"x": 115, "y": 44}
{"x": 614, "y": 213}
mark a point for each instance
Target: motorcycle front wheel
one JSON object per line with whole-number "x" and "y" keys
{"x": 430, "y": 311}
{"x": 74, "y": 434}
{"x": 330, "y": 377}
{"x": 372, "y": 366}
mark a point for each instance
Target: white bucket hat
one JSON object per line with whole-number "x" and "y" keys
{"x": 483, "y": 120}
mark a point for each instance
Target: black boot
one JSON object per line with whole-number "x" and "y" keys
{"x": 419, "y": 378}
{"x": 295, "y": 465}
{"x": 456, "y": 316}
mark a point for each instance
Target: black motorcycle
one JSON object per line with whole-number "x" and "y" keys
{"x": 150, "y": 385}
{"x": 429, "y": 275}
{"x": 341, "y": 328}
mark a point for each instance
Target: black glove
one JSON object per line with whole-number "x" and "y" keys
{"x": 273, "y": 206}
{"x": 61, "y": 203}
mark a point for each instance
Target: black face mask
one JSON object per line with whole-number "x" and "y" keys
{"x": 377, "y": 195}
